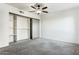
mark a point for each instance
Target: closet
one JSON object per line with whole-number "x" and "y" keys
{"x": 23, "y": 28}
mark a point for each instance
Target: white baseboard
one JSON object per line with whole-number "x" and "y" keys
{"x": 61, "y": 40}
{"x": 4, "y": 45}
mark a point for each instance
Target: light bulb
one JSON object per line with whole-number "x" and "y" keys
{"x": 38, "y": 11}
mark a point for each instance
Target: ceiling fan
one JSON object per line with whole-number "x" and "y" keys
{"x": 39, "y": 8}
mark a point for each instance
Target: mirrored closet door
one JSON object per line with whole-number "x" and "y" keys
{"x": 35, "y": 28}
{"x": 22, "y": 28}
{"x": 19, "y": 28}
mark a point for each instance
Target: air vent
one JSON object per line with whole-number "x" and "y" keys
{"x": 21, "y": 12}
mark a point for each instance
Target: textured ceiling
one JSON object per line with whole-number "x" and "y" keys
{"x": 52, "y": 7}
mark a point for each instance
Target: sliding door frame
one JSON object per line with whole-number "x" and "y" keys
{"x": 31, "y": 36}
{"x": 31, "y": 28}
{"x": 15, "y": 26}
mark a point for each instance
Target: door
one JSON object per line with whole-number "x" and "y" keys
{"x": 11, "y": 28}
{"x": 35, "y": 28}
{"x": 22, "y": 28}
{"x": 19, "y": 28}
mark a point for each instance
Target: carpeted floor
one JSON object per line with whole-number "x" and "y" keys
{"x": 40, "y": 47}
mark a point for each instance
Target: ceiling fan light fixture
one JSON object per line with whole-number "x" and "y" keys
{"x": 39, "y": 8}
{"x": 38, "y": 12}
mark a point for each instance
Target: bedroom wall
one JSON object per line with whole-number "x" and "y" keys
{"x": 4, "y": 21}
{"x": 62, "y": 25}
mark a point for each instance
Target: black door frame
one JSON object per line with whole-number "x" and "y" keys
{"x": 31, "y": 36}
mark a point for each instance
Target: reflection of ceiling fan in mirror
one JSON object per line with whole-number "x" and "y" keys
{"x": 39, "y": 8}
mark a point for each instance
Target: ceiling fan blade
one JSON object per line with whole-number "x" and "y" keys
{"x": 45, "y": 11}
{"x": 44, "y": 8}
{"x": 33, "y": 7}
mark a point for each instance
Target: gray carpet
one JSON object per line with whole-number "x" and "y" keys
{"x": 40, "y": 47}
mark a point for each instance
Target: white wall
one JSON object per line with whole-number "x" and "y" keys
{"x": 61, "y": 26}
{"x": 4, "y": 22}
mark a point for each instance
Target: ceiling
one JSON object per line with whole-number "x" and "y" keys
{"x": 52, "y": 7}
